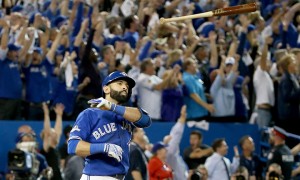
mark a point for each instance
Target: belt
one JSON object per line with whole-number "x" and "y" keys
{"x": 264, "y": 106}
{"x": 116, "y": 176}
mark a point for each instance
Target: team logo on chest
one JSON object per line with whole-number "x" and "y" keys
{"x": 105, "y": 129}
{"x": 126, "y": 126}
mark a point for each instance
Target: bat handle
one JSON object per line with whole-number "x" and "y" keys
{"x": 240, "y": 9}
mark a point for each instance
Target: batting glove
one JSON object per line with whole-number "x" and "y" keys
{"x": 113, "y": 151}
{"x": 100, "y": 103}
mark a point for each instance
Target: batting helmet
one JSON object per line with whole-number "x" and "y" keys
{"x": 117, "y": 75}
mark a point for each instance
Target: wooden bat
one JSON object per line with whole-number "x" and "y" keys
{"x": 245, "y": 8}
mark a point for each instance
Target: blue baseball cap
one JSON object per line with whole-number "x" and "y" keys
{"x": 251, "y": 27}
{"x": 118, "y": 75}
{"x": 157, "y": 146}
{"x": 17, "y": 8}
{"x": 22, "y": 134}
{"x": 38, "y": 50}
{"x": 13, "y": 47}
{"x": 206, "y": 28}
{"x": 59, "y": 21}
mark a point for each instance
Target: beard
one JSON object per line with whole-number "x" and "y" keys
{"x": 119, "y": 96}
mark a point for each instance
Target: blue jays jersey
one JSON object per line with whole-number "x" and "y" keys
{"x": 98, "y": 126}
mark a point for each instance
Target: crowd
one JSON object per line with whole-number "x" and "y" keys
{"x": 55, "y": 54}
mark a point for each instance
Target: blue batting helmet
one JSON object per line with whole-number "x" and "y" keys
{"x": 117, "y": 75}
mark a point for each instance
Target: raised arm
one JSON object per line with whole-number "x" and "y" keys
{"x": 5, "y": 34}
{"x": 263, "y": 59}
{"x": 213, "y": 49}
{"x": 173, "y": 5}
{"x": 78, "y": 39}
{"x": 59, "y": 110}
{"x": 51, "y": 53}
{"x": 47, "y": 128}
{"x": 65, "y": 8}
{"x": 176, "y": 132}
{"x": 291, "y": 12}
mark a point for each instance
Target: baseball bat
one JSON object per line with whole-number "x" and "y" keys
{"x": 245, "y": 8}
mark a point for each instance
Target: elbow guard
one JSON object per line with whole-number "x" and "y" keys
{"x": 144, "y": 121}
{"x": 72, "y": 144}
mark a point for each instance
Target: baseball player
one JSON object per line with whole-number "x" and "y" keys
{"x": 102, "y": 133}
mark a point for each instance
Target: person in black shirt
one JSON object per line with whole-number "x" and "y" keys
{"x": 138, "y": 160}
{"x": 197, "y": 153}
{"x": 51, "y": 139}
{"x": 248, "y": 159}
{"x": 63, "y": 149}
{"x": 280, "y": 153}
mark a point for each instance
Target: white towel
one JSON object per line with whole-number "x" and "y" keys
{"x": 69, "y": 74}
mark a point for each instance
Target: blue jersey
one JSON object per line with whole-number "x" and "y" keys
{"x": 97, "y": 126}
{"x": 38, "y": 81}
{"x": 10, "y": 80}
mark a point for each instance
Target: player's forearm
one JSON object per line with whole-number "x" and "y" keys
{"x": 132, "y": 114}
{"x": 139, "y": 117}
{"x": 83, "y": 149}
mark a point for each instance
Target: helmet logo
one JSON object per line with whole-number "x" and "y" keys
{"x": 124, "y": 74}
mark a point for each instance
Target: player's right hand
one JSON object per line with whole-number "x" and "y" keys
{"x": 100, "y": 103}
{"x": 113, "y": 151}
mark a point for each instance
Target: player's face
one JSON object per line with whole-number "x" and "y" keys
{"x": 119, "y": 91}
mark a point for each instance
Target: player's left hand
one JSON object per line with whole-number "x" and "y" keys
{"x": 100, "y": 103}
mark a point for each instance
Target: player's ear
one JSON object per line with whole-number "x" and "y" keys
{"x": 106, "y": 89}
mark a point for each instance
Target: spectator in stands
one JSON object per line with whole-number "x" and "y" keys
{"x": 241, "y": 173}
{"x": 264, "y": 88}
{"x": 88, "y": 72}
{"x": 131, "y": 24}
{"x": 274, "y": 172}
{"x": 73, "y": 168}
{"x": 289, "y": 90}
{"x": 199, "y": 174}
{"x": 197, "y": 153}
{"x": 138, "y": 160}
{"x": 27, "y": 134}
{"x": 218, "y": 165}
{"x": 157, "y": 167}
{"x": 65, "y": 89}
{"x": 63, "y": 149}
{"x": 51, "y": 138}
{"x": 11, "y": 56}
{"x": 197, "y": 106}
{"x": 174, "y": 159}
{"x": 107, "y": 64}
{"x": 248, "y": 159}
{"x": 149, "y": 88}
{"x": 222, "y": 88}
{"x": 280, "y": 153}
{"x": 172, "y": 97}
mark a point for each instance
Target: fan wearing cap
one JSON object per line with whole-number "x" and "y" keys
{"x": 101, "y": 134}
{"x": 280, "y": 153}
{"x": 158, "y": 169}
{"x": 11, "y": 56}
{"x": 221, "y": 90}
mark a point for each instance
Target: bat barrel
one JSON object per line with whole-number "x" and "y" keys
{"x": 240, "y": 9}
